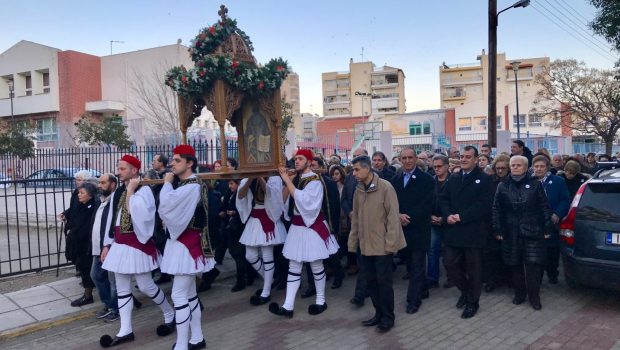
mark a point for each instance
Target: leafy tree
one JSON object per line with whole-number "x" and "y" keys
{"x": 287, "y": 120}
{"x": 17, "y": 141}
{"x": 105, "y": 131}
{"x": 607, "y": 21}
{"x": 583, "y": 99}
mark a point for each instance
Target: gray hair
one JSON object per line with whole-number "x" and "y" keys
{"x": 521, "y": 159}
{"x": 444, "y": 159}
{"x": 83, "y": 174}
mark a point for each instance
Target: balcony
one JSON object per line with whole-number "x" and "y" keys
{"x": 454, "y": 95}
{"x": 105, "y": 107}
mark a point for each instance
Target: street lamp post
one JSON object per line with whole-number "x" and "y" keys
{"x": 11, "y": 89}
{"x": 492, "y": 111}
{"x": 362, "y": 95}
{"x": 515, "y": 68}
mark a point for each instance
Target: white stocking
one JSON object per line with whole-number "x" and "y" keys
{"x": 148, "y": 287}
{"x": 125, "y": 302}
{"x": 268, "y": 267}
{"x": 292, "y": 284}
{"x": 251, "y": 255}
{"x": 318, "y": 273}
{"x": 195, "y": 321}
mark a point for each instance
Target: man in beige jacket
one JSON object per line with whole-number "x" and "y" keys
{"x": 376, "y": 229}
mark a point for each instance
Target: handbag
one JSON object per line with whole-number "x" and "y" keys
{"x": 70, "y": 247}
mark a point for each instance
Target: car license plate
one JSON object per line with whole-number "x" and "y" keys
{"x": 613, "y": 238}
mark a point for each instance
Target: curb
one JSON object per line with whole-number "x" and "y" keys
{"x": 61, "y": 320}
{"x": 17, "y": 332}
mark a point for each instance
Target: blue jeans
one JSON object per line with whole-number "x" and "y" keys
{"x": 434, "y": 253}
{"x": 102, "y": 282}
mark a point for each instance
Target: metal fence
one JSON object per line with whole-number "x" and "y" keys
{"x": 32, "y": 194}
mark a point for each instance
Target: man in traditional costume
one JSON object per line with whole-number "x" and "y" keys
{"x": 183, "y": 209}
{"x": 259, "y": 203}
{"x": 308, "y": 239}
{"x": 130, "y": 251}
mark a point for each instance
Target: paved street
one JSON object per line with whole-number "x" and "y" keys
{"x": 581, "y": 319}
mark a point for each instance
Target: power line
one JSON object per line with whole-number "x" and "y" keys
{"x": 595, "y": 48}
{"x": 575, "y": 11}
{"x": 579, "y": 25}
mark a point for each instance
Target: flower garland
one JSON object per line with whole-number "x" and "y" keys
{"x": 208, "y": 67}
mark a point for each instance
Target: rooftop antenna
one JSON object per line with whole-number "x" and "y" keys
{"x": 114, "y": 41}
{"x": 362, "y": 54}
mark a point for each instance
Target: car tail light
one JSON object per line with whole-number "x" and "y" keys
{"x": 567, "y": 226}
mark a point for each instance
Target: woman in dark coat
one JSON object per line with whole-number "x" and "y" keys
{"x": 522, "y": 221}
{"x": 79, "y": 237}
{"x": 573, "y": 177}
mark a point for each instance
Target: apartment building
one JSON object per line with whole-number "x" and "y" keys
{"x": 365, "y": 91}
{"x": 464, "y": 87}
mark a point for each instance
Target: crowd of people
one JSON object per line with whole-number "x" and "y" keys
{"x": 491, "y": 220}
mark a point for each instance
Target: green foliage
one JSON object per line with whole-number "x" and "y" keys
{"x": 287, "y": 120}
{"x": 607, "y": 22}
{"x": 16, "y": 140}
{"x": 107, "y": 131}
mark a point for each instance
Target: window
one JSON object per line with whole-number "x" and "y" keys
{"x": 28, "y": 85}
{"x": 535, "y": 119}
{"x": 46, "y": 83}
{"x": 480, "y": 124}
{"x": 46, "y": 130}
{"x": 464, "y": 124}
{"x": 416, "y": 128}
{"x": 521, "y": 120}
{"x": 499, "y": 121}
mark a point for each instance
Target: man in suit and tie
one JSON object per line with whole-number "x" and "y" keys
{"x": 415, "y": 192}
{"x": 465, "y": 206}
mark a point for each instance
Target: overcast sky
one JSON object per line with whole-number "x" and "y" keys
{"x": 320, "y": 36}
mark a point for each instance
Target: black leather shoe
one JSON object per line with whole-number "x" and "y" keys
{"x": 430, "y": 284}
{"x": 357, "y": 301}
{"x": 275, "y": 309}
{"x": 536, "y": 305}
{"x": 489, "y": 287}
{"x": 470, "y": 311}
{"x": 308, "y": 293}
{"x": 316, "y": 309}
{"x": 371, "y": 322}
{"x": 201, "y": 345}
{"x": 383, "y": 328}
{"x": 83, "y": 300}
{"x": 165, "y": 329}
{"x": 412, "y": 309}
{"x": 258, "y": 300}
{"x": 517, "y": 300}
{"x": 461, "y": 303}
{"x": 337, "y": 283}
{"x": 106, "y": 341}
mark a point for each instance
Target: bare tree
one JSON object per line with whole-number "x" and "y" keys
{"x": 583, "y": 99}
{"x": 156, "y": 102}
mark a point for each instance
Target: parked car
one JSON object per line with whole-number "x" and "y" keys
{"x": 4, "y": 177}
{"x": 59, "y": 177}
{"x": 590, "y": 233}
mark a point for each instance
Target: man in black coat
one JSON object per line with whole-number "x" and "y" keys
{"x": 465, "y": 205}
{"x": 415, "y": 192}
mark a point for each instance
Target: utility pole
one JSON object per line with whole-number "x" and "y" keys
{"x": 114, "y": 41}
{"x": 492, "y": 58}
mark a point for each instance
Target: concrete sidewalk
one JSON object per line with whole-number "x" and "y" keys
{"x": 49, "y": 304}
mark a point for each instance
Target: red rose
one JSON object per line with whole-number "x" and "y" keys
{"x": 261, "y": 85}
{"x": 203, "y": 36}
{"x": 184, "y": 79}
{"x": 237, "y": 72}
{"x": 279, "y": 68}
{"x": 234, "y": 64}
{"x": 202, "y": 73}
{"x": 201, "y": 63}
{"x": 198, "y": 43}
{"x": 212, "y": 30}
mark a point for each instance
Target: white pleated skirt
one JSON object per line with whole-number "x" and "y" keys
{"x": 254, "y": 236}
{"x": 178, "y": 261}
{"x": 124, "y": 259}
{"x": 305, "y": 245}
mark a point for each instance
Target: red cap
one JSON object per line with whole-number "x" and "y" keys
{"x": 185, "y": 150}
{"x": 132, "y": 160}
{"x": 306, "y": 153}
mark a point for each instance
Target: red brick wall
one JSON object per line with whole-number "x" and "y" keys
{"x": 79, "y": 80}
{"x": 565, "y": 117}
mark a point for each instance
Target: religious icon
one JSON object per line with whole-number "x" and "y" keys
{"x": 257, "y": 134}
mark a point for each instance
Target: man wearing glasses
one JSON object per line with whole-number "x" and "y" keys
{"x": 440, "y": 167}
